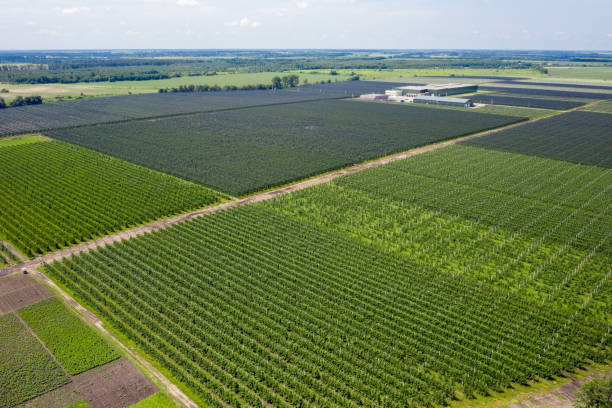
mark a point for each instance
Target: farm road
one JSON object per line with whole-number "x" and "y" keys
{"x": 266, "y": 195}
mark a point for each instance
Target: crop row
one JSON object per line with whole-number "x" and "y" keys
{"x": 495, "y": 99}
{"x": 246, "y": 150}
{"x": 580, "y": 137}
{"x": 53, "y": 194}
{"x": 250, "y": 307}
{"x": 547, "y": 92}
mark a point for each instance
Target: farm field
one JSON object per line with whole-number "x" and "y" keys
{"x": 26, "y": 368}
{"x": 602, "y": 107}
{"x": 580, "y": 137}
{"x": 338, "y": 294}
{"x": 50, "y": 92}
{"x": 123, "y": 108}
{"x": 255, "y": 304}
{"x": 495, "y": 99}
{"x": 598, "y": 73}
{"x": 519, "y": 111}
{"x": 74, "y": 344}
{"x": 553, "y": 93}
{"x": 76, "y": 194}
{"x": 247, "y": 150}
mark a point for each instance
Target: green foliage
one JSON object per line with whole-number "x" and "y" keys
{"x": 53, "y": 194}
{"x": 28, "y": 100}
{"x": 80, "y": 404}
{"x": 26, "y": 369}
{"x": 157, "y": 400}
{"x": 596, "y": 393}
{"x": 77, "y": 347}
{"x": 250, "y": 149}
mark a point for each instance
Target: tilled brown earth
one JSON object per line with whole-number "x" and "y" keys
{"x": 19, "y": 291}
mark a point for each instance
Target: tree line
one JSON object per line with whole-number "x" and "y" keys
{"x": 21, "y": 101}
{"x": 287, "y": 81}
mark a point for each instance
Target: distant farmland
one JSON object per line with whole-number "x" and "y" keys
{"x": 120, "y": 108}
{"x": 246, "y": 150}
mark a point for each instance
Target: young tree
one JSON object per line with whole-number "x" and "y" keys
{"x": 277, "y": 82}
{"x": 596, "y": 393}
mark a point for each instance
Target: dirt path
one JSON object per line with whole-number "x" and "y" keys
{"x": 14, "y": 251}
{"x": 563, "y": 396}
{"x": 266, "y": 195}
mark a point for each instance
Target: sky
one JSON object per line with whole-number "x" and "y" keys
{"x": 329, "y": 24}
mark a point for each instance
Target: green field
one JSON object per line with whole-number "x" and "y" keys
{"x": 80, "y": 404}
{"x": 26, "y": 369}
{"x": 518, "y": 111}
{"x": 410, "y": 74}
{"x": 51, "y": 92}
{"x": 157, "y": 400}
{"x": 77, "y": 347}
{"x": 246, "y": 150}
{"x": 602, "y": 107}
{"x": 599, "y": 73}
{"x": 53, "y": 195}
{"x": 14, "y": 141}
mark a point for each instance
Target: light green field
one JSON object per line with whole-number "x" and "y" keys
{"x": 602, "y": 107}
{"x": 51, "y": 91}
{"x": 157, "y": 400}
{"x": 13, "y": 141}
{"x": 413, "y": 74}
{"x": 80, "y": 404}
{"x": 600, "y": 73}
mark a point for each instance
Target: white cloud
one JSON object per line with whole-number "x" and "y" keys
{"x": 610, "y": 35}
{"x": 301, "y": 4}
{"x": 188, "y": 2}
{"x": 243, "y": 22}
{"x": 74, "y": 10}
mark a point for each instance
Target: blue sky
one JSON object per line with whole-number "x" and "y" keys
{"x": 408, "y": 24}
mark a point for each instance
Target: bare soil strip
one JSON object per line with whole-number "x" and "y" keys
{"x": 20, "y": 291}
